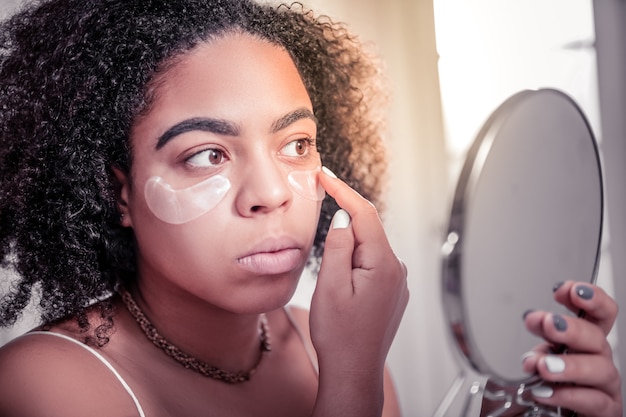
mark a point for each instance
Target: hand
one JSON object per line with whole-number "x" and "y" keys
{"x": 361, "y": 291}
{"x": 584, "y": 379}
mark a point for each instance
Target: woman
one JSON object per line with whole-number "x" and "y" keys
{"x": 174, "y": 163}
{"x": 161, "y": 190}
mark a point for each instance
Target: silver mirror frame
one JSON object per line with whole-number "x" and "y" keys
{"x": 454, "y": 304}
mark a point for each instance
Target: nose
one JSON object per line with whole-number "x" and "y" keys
{"x": 263, "y": 188}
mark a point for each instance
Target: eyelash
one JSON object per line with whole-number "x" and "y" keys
{"x": 311, "y": 145}
{"x": 310, "y": 142}
{"x": 200, "y": 152}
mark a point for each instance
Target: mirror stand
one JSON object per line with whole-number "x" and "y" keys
{"x": 465, "y": 399}
{"x": 507, "y": 400}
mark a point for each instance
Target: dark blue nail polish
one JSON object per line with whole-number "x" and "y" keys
{"x": 557, "y": 286}
{"x": 559, "y": 322}
{"x": 585, "y": 292}
{"x": 527, "y": 312}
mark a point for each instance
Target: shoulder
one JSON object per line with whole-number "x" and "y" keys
{"x": 42, "y": 374}
{"x": 299, "y": 315}
{"x": 299, "y": 320}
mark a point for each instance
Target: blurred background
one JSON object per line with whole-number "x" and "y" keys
{"x": 450, "y": 63}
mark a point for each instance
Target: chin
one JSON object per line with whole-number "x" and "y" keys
{"x": 273, "y": 296}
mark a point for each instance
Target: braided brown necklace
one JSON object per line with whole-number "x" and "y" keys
{"x": 189, "y": 361}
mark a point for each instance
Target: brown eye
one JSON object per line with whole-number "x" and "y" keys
{"x": 207, "y": 158}
{"x": 214, "y": 156}
{"x": 299, "y": 147}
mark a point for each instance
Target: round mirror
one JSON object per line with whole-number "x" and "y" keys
{"x": 527, "y": 214}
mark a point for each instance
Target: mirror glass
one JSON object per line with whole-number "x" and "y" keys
{"x": 527, "y": 214}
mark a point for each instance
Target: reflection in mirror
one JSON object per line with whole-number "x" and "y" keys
{"x": 527, "y": 213}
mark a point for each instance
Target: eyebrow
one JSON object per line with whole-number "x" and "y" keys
{"x": 292, "y": 117}
{"x": 225, "y": 127}
{"x": 217, "y": 126}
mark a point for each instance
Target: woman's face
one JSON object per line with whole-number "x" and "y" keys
{"x": 224, "y": 200}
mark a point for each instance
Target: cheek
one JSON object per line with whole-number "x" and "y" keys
{"x": 184, "y": 252}
{"x": 306, "y": 184}
{"x": 306, "y": 215}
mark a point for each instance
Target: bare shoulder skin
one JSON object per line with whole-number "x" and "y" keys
{"x": 45, "y": 375}
{"x": 48, "y": 375}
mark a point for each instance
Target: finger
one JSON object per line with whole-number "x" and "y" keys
{"x": 585, "y": 370}
{"x": 362, "y": 212}
{"x": 405, "y": 270}
{"x": 336, "y": 266}
{"x": 577, "y": 334}
{"x": 598, "y": 306}
{"x": 531, "y": 358}
{"x": 584, "y": 400}
{"x": 346, "y": 197}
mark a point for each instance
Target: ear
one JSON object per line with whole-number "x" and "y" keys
{"x": 121, "y": 185}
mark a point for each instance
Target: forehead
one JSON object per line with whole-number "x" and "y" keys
{"x": 227, "y": 77}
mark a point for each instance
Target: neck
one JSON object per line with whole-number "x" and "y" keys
{"x": 219, "y": 338}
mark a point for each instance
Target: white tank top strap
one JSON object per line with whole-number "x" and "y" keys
{"x": 103, "y": 360}
{"x": 306, "y": 341}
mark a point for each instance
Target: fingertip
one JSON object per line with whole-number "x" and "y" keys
{"x": 533, "y": 320}
{"x": 559, "y": 322}
{"x": 526, "y": 313}
{"x": 542, "y": 391}
{"x": 528, "y": 355}
{"x": 529, "y": 362}
{"x": 554, "y": 364}
{"x": 328, "y": 180}
{"x": 341, "y": 220}
{"x": 328, "y": 172}
{"x": 584, "y": 292}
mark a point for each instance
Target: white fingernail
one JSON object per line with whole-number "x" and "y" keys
{"x": 341, "y": 219}
{"x": 529, "y": 354}
{"x": 328, "y": 172}
{"x": 542, "y": 391}
{"x": 555, "y": 364}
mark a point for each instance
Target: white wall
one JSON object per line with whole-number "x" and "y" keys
{"x": 8, "y": 6}
{"x": 610, "y": 24}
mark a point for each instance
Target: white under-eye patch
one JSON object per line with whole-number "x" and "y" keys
{"x": 306, "y": 184}
{"x": 187, "y": 204}
{"x": 184, "y": 205}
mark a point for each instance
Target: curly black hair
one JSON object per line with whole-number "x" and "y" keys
{"x": 74, "y": 74}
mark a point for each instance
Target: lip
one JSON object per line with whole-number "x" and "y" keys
{"x": 272, "y": 257}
